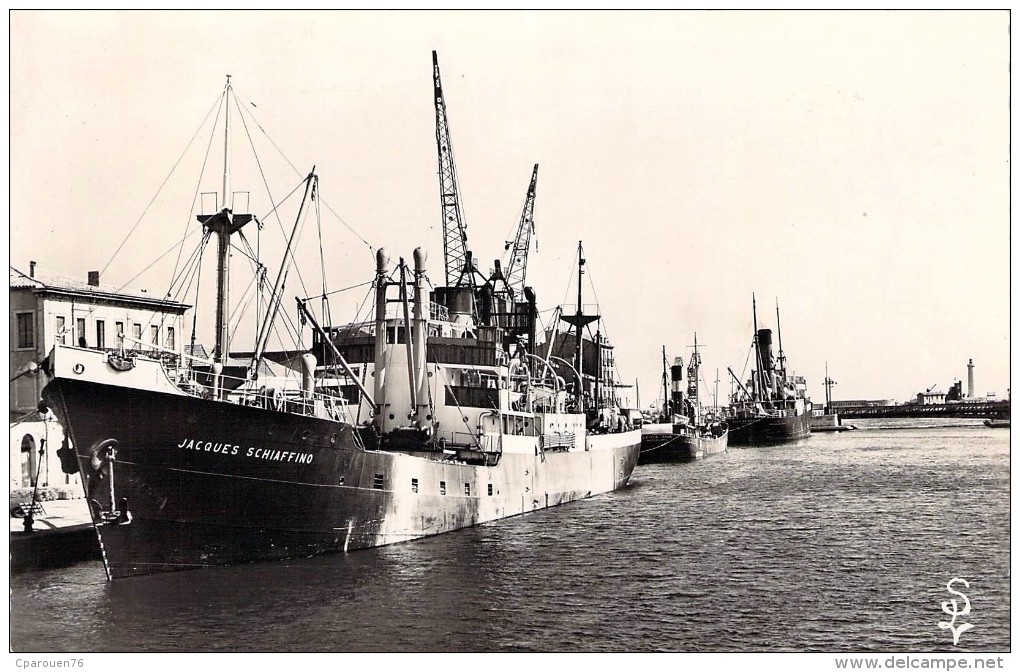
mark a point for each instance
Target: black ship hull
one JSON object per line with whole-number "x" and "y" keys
{"x": 194, "y": 482}
{"x": 664, "y": 448}
{"x": 769, "y": 430}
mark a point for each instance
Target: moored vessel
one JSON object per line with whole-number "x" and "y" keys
{"x": 683, "y": 430}
{"x": 773, "y": 407}
{"x": 436, "y": 414}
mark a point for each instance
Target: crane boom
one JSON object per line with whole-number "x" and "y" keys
{"x": 517, "y": 263}
{"x": 455, "y": 252}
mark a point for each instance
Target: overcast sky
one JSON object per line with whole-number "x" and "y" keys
{"x": 852, "y": 165}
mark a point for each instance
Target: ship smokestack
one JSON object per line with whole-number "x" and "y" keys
{"x": 31, "y": 269}
{"x": 970, "y": 379}
{"x": 676, "y": 374}
{"x": 93, "y": 278}
{"x": 765, "y": 350}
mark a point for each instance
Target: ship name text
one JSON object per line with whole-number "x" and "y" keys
{"x": 253, "y": 452}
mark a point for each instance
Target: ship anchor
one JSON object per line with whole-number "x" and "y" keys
{"x": 104, "y": 454}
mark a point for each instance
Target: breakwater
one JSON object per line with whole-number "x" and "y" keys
{"x": 984, "y": 409}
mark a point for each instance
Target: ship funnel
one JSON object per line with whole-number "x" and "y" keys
{"x": 765, "y": 375}
{"x": 676, "y": 374}
{"x": 765, "y": 348}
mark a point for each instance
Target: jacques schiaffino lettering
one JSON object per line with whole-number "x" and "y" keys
{"x": 252, "y": 451}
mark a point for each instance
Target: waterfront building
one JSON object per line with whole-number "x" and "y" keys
{"x": 46, "y": 308}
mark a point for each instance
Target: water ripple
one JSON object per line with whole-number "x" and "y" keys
{"x": 843, "y": 542}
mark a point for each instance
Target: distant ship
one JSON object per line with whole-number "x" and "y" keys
{"x": 683, "y": 430}
{"x": 438, "y": 414}
{"x": 773, "y": 407}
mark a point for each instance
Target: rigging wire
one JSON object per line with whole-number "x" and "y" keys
{"x": 265, "y": 183}
{"x": 326, "y": 317}
{"x": 160, "y": 189}
{"x": 198, "y": 183}
{"x": 294, "y": 168}
{"x": 337, "y": 291}
{"x": 198, "y": 287}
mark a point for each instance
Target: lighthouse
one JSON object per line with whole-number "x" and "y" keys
{"x": 970, "y": 379}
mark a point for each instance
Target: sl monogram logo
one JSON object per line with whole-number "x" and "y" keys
{"x": 957, "y": 630}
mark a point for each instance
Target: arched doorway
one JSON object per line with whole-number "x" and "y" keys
{"x": 28, "y": 461}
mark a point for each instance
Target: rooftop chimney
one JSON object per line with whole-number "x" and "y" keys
{"x": 93, "y": 278}
{"x": 31, "y": 269}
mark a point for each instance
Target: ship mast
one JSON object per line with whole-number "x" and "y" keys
{"x": 579, "y": 320}
{"x": 693, "y": 371}
{"x": 829, "y": 382}
{"x": 715, "y": 396}
{"x": 224, "y": 224}
{"x": 781, "y": 358}
{"x": 665, "y": 383}
{"x": 757, "y": 353}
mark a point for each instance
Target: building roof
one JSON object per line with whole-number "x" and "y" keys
{"x": 47, "y": 281}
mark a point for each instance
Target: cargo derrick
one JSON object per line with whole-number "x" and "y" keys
{"x": 501, "y": 301}
{"x": 517, "y": 262}
{"x": 512, "y": 304}
{"x": 455, "y": 251}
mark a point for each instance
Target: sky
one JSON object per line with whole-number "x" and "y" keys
{"x": 851, "y": 166}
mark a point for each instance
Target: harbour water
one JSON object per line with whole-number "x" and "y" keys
{"x": 841, "y": 542}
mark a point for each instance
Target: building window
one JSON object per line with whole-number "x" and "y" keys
{"x": 136, "y": 330}
{"x": 442, "y": 487}
{"x": 100, "y": 334}
{"x": 155, "y": 334}
{"x": 80, "y": 331}
{"x": 467, "y": 489}
{"x": 414, "y": 485}
{"x": 119, "y": 326}
{"x": 171, "y": 342}
{"x": 490, "y": 489}
{"x": 26, "y": 330}
{"x": 377, "y": 482}
{"x": 61, "y": 326}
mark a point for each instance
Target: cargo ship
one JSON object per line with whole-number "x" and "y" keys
{"x": 683, "y": 431}
{"x": 437, "y": 413}
{"x": 773, "y": 407}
